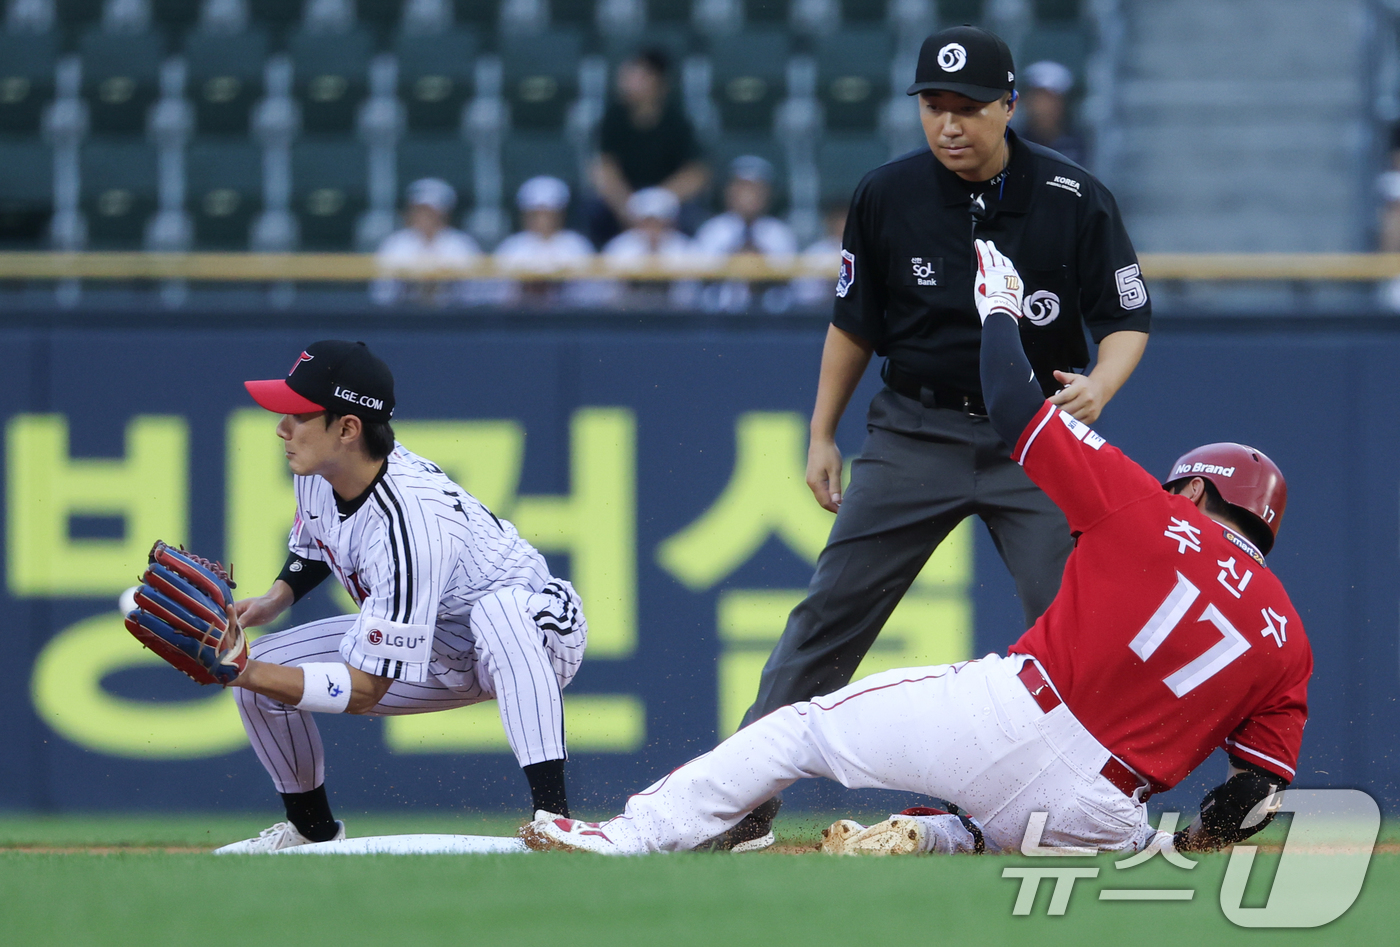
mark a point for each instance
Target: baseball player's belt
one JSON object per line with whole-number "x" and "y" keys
{"x": 931, "y": 397}
{"x": 1115, "y": 770}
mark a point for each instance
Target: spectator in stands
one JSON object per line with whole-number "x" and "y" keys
{"x": 428, "y": 245}
{"x": 544, "y": 246}
{"x": 1388, "y": 184}
{"x": 823, "y": 257}
{"x": 1045, "y": 110}
{"x": 654, "y": 238}
{"x": 645, "y": 141}
{"x": 655, "y": 241}
{"x": 744, "y": 227}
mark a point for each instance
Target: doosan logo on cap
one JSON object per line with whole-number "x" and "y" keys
{"x": 336, "y": 376}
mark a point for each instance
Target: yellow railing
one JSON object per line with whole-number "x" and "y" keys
{"x": 353, "y": 267}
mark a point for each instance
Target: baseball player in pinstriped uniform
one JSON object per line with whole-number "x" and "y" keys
{"x": 455, "y": 607}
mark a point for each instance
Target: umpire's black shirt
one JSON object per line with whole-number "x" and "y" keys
{"x": 907, "y": 264}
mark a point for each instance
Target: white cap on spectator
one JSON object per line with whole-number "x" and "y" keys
{"x": 433, "y": 192}
{"x": 656, "y": 202}
{"x": 1049, "y": 75}
{"x": 752, "y": 168}
{"x": 542, "y": 193}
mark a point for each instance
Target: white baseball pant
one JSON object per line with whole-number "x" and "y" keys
{"x": 970, "y": 733}
{"x": 523, "y": 667}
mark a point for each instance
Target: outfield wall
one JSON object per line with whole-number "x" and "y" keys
{"x": 659, "y": 464}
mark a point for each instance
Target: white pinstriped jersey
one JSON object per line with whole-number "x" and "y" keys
{"x": 415, "y": 556}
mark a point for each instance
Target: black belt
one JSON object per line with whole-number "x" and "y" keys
{"x": 930, "y": 397}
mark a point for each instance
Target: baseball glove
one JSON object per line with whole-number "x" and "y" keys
{"x": 184, "y": 613}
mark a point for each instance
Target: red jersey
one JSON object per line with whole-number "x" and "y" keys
{"x": 1169, "y": 636}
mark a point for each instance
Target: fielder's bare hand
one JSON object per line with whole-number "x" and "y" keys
{"x": 253, "y": 612}
{"x": 824, "y": 473}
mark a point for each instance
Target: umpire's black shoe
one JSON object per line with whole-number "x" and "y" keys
{"x": 754, "y": 833}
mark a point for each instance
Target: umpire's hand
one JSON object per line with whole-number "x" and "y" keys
{"x": 1082, "y": 397}
{"x": 824, "y": 473}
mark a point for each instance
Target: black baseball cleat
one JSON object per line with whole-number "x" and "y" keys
{"x": 752, "y": 834}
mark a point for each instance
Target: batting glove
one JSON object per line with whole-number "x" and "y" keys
{"x": 998, "y": 287}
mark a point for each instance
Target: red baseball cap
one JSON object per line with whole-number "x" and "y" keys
{"x": 337, "y": 376}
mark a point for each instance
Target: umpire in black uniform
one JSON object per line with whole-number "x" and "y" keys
{"x": 906, "y": 292}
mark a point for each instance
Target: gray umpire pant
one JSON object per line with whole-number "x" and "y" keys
{"x": 921, "y": 472}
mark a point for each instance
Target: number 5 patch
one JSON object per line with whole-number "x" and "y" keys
{"x": 1132, "y": 294}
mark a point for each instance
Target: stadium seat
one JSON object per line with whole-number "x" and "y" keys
{"x": 26, "y": 194}
{"x": 78, "y": 14}
{"x": 224, "y": 79}
{"x": 1065, "y": 42}
{"x": 330, "y": 78}
{"x": 526, "y": 155}
{"x": 482, "y": 15}
{"x": 278, "y": 17}
{"x": 223, "y": 191}
{"x": 1055, "y": 11}
{"x": 175, "y": 16}
{"x": 953, "y": 12}
{"x": 379, "y": 16}
{"x": 749, "y": 77}
{"x": 26, "y": 81}
{"x": 730, "y": 146}
{"x": 118, "y": 191}
{"x": 578, "y": 14}
{"x": 842, "y": 160}
{"x": 863, "y": 11}
{"x": 437, "y": 156}
{"x": 541, "y": 77}
{"x": 669, "y": 12}
{"x": 329, "y": 180}
{"x": 769, "y": 13}
{"x": 436, "y": 77}
{"x": 674, "y": 40}
{"x": 121, "y": 78}
{"x": 853, "y": 77}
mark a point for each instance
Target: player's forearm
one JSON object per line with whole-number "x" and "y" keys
{"x": 1119, "y": 354}
{"x": 287, "y": 684}
{"x": 844, "y": 358}
{"x": 608, "y": 181}
{"x": 688, "y": 181}
{"x": 1009, "y": 387}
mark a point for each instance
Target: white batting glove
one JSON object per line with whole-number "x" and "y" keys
{"x": 998, "y": 287}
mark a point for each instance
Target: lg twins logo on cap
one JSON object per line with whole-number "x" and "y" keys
{"x": 375, "y": 636}
{"x": 303, "y": 357}
{"x": 1041, "y": 307}
{"x": 847, "y": 277}
{"x": 952, "y": 57}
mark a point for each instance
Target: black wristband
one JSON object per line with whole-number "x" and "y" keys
{"x": 303, "y": 575}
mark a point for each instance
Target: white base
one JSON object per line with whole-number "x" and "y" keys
{"x": 412, "y": 845}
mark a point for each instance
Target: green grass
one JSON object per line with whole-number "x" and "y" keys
{"x": 153, "y": 899}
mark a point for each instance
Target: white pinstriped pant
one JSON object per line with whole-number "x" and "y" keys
{"x": 521, "y": 666}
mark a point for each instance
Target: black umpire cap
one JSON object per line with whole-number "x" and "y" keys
{"x": 966, "y": 60}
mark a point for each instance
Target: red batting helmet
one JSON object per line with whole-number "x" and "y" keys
{"x": 1245, "y": 477}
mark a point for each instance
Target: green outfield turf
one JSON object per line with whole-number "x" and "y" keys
{"x": 143, "y": 897}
